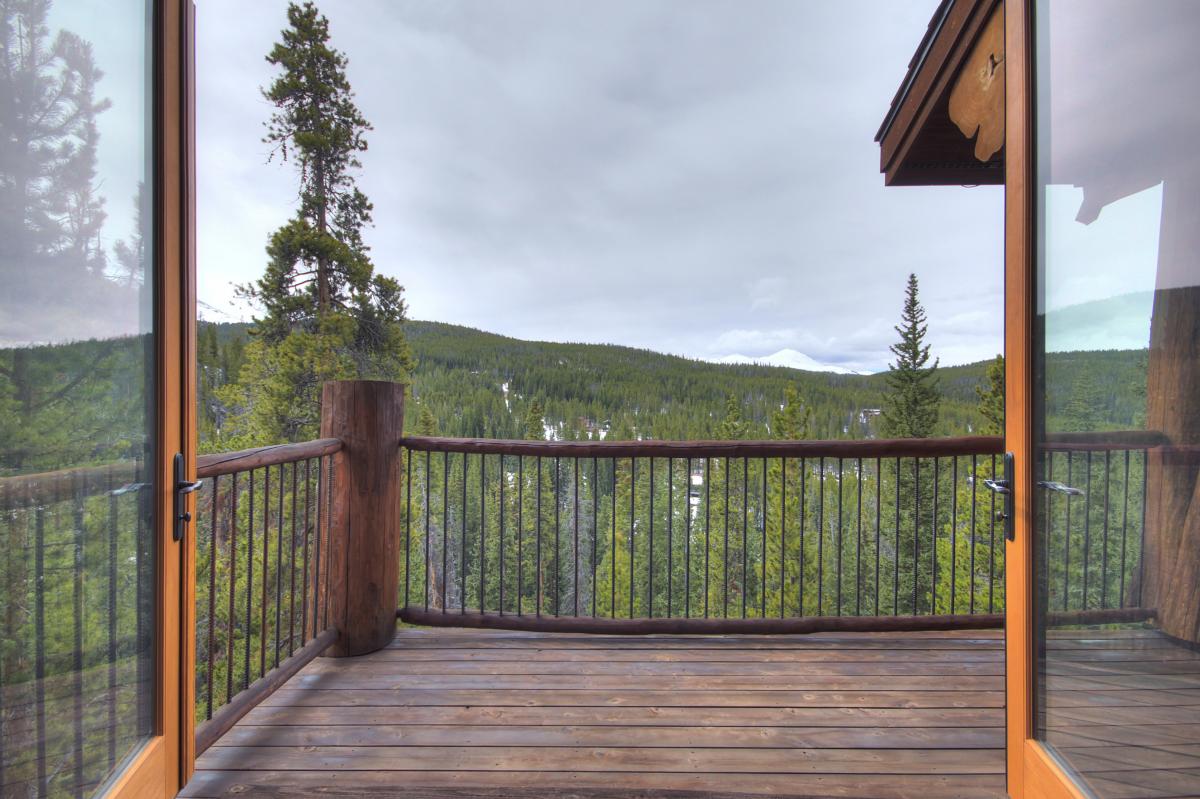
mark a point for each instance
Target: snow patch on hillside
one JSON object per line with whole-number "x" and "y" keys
{"x": 790, "y": 359}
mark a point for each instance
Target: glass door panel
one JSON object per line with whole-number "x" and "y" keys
{"x": 1116, "y": 366}
{"x": 78, "y": 577}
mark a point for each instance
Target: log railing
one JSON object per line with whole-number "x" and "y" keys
{"x": 263, "y": 538}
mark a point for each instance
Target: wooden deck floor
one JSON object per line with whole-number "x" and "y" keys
{"x": 472, "y": 713}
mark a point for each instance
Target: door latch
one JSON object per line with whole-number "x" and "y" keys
{"x": 183, "y": 487}
{"x": 1003, "y": 487}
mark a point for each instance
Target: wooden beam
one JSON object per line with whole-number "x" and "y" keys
{"x": 246, "y": 459}
{"x": 977, "y": 99}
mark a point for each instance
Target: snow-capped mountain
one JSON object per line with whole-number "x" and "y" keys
{"x": 791, "y": 359}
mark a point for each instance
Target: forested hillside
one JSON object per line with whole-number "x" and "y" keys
{"x": 480, "y": 384}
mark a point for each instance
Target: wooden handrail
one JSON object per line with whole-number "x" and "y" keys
{"x": 243, "y": 460}
{"x": 1109, "y": 441}
{"x": 862, "y": 448}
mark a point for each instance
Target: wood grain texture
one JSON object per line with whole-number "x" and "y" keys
{"x": 243, "y": 460}
{"x": 364, "y": 550}
{"x": 454, "y": 713}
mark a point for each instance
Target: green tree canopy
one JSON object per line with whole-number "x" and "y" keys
{"x": 326, "y": 315}
{"x": 910, "y": 408}
{"x": 991, "y": 399}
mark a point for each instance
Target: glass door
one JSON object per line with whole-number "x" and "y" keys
{"x": 1113, "y": 499}
{"x": 91, "y": 398}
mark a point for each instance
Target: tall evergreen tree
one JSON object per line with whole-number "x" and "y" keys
{"x": 991, "y": 399}
{"x": 326, "y": 314}
{"x": 910, "y": 407}
{"x": 535, "y": 421}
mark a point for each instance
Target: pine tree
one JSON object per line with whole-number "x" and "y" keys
{"x": 991, "y": 399}
{"x": 535, "y": 429}
{"x": 733, "y": 426}
{"x": 911, "y": 405}
{"x": 326, "y": 314}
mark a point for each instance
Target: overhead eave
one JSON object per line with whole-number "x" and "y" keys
{"x": 919, "y": 144}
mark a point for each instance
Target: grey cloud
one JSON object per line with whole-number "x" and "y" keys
{"x": 624, "y": 172}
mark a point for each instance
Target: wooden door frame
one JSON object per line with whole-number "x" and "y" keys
{"x": 164, "y": 764}
{"x": 1033, "y": 773}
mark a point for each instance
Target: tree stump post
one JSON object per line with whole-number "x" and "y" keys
{"x": 364, "y": 545}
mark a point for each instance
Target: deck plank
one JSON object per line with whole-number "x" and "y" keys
{"x": 451, "y": 713}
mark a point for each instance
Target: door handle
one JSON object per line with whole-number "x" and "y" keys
{"x": 1060, "y": 488}
{"x": 1003, "y": 487}
{"x": 183, "y": 487}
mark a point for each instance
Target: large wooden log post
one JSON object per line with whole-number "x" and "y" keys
{"x": 1172, "y": 558}
{"x": 364, "y": 548}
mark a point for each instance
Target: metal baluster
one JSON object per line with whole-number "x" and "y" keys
{"x": 1104, "y": 550}
{"x": 249, "y": 584}
{"x": 782, "y": 536}
{"x": 916, "y": 533}
{"x": 933, "y": 576}
{"x": 407, "y": 523}
{"x": 1142, "y": 544}
{"x": 575, "y": 533}
{"x": 687, "y": 541}
{"x": 650, "y": 567}
{"x": 212, "y": 615}
{"x": 840, "y": 519}
{"x": 307, "y": 527}
{"x": 803, "y": 510}
{"x": 483, "y": 527}
{"x": 39, "y": 636}
{"x": 725, "y": 559}
{"x": 428, "y": 492}
{"x": 262, "y": 610}
{"x": 821, "y": 536}
{"x": 291, "y": 562}
{"x": 520, "y": 531}
{"x": 538, "y": 520}
{"x": 896, "y": 555}
{"x": 878, "y": 527}
{"x": 462, "y": 561}
{"x": 113, "y": 531}
{"x": 612, "y": 551}
{"x": 557, "y": 530}
{"x": 233, "y": 525}
{"x": 954, "y": 542}
{"x": 1124, "y": 526}
{"x": 707, "y": 526}
{"x": 279, "y": 569}
{"x": 670, "y": 527}
{"x": 763, "y": 525}
{"x": 595, "y": 525}
{"x": 1067, "y": 537}
{"x": 991, "y": 540}
{"x": 745, "y": 519}
{"x": 322, "y": 479}
{"x": 77, "y": 650}
{"x": 1087, "y": 529}
{"x": 445, "y": 529}
{"x": 858, "y": 544}
{"x": 632, "y": 531}
{"x": 500, "y": 550}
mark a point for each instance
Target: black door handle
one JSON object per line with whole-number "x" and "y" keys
{"x": 183, "y": 487}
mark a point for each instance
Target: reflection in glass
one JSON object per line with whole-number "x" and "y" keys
{"x": 1117, "y": 357}
{"x": 76, "y": 372}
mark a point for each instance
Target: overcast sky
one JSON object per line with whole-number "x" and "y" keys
{"x": 692, "y": 177}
